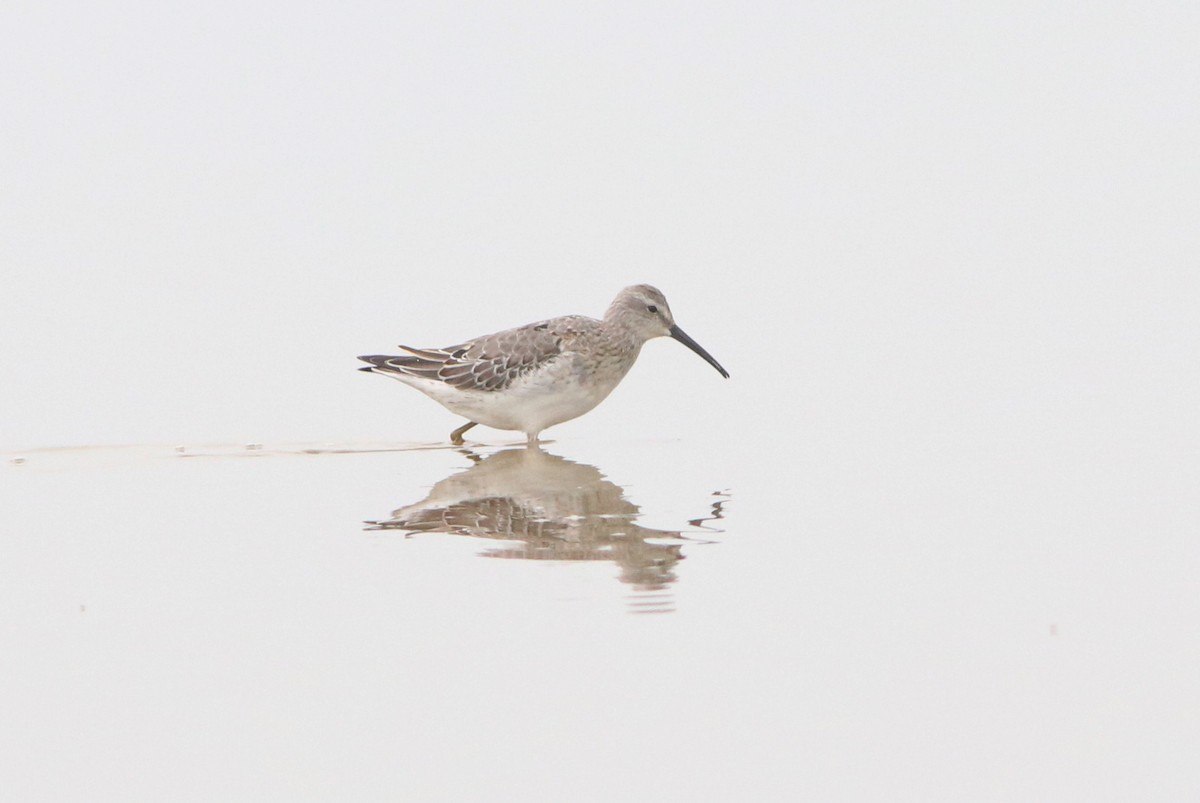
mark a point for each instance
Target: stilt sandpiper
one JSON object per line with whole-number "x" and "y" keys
{"x": 540, "y": 374}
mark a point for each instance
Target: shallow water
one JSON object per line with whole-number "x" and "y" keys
{"x": 333, "y": 620}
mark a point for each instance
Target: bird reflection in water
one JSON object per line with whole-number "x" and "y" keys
{"x": 547, "y": 508}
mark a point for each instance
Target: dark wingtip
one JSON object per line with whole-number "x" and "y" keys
{"x": 376, "y": 360}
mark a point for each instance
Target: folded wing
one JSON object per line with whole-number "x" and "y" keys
{"x": 488, "y": 363}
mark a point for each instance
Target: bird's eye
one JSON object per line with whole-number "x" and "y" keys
{"x": 652, "y": 308}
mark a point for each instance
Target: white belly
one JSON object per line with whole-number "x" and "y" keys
{"x": 558, "y": 392}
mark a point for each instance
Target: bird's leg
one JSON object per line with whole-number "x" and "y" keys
{"x": 456, "y": 437}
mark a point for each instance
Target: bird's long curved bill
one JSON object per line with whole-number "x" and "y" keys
{"x": 683, "y": 338}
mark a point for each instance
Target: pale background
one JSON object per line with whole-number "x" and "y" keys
{"x": 948, "y": 253}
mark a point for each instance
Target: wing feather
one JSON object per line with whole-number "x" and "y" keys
{"x": 488, "y": 363}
